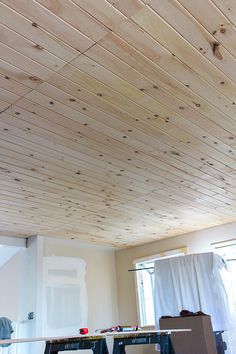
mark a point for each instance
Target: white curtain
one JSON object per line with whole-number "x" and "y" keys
{"x": 193, "y": 283}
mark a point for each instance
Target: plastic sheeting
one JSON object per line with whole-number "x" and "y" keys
{"x": 194, "y": 283}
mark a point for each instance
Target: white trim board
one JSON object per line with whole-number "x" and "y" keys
{"x": 99, "y": 335}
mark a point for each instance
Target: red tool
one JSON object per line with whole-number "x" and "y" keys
{"x": 83, "y": 330}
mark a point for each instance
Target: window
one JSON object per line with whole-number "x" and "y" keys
{"x": 145, "y": 284}
{"x": 227, "y": 250}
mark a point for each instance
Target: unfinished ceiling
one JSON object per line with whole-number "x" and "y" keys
{"x": 117, "y": 118}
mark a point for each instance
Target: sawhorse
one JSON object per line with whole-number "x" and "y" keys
{"x": 162, "y": 339}
{"x": 96, "y": 343}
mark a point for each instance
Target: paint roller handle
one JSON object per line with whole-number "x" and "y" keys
{"x": 119, "y": 329}
{"x": 128, "y": 328}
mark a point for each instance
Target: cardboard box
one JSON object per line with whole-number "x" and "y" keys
{"x": 201, "y": 340}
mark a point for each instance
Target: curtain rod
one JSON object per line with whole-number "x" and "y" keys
{"x": 137, "y": 269}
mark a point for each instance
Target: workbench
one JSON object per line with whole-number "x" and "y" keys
{"x": 97, "y": 342}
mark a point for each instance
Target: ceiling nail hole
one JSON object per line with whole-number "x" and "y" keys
{"x": 39, "y": 47}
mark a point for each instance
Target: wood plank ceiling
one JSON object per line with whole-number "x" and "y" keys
{"x": 117, "y": 120}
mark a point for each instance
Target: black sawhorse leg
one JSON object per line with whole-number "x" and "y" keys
{"x": 97, "y": 344}
{"x": 138, "y": 339}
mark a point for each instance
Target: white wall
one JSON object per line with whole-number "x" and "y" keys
{"x": 11, "y": 249}
{"x": 6, "y": 253}
{"x": 100, "y": 278}
{"x": 28, "y": 290}
{"x": 21, "y": 285}
{"x": 10, "y": 274}
{"x": 196, "y": 242}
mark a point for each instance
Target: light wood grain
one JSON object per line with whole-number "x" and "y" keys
{"x": 117, "y": 118}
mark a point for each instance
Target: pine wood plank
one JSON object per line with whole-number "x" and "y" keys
{"x": 158, "y": 29}
{"x": 218, "y": 24}
{"x": 137, "y": 162}
{"x": 164, "y": 58}
{"x": 55, "y": 33}
{"x": 116, "y": 127}
{"x": 87, "y": 172}
{"x": 104, "y": 140}
{"x": 228, "y": 8}
{"x": 87, "y": 169}
{"x": 30, "y": 49}
{"x": 125, "y": 71}
{"x": 37, "y": 72}
{"x": 220, "y": 183}
{"x": 194, "y": 33}
{"x": 103, "y": 105}
{"x": 3, "y": 106}
{"x": 76, "y": 17}
{"x": 118, "y": 85}
{"x": 62, "y": 176}
{"x": 13, "y": 72}
{"x": 101, "y": 74}
{"x": 13, "y": 86}
{"x": 161, "y": 79}
{"x": 102, "y": 11}
{"x": 203, "y": 166}
{"x": 128, "y": 8}
{"x": 69, "y": 196}
{"x": 91, "y": 203}
{"x": 36, "y": 34}
{"x": 89, "y": 99}
{"x": 8, "y": 96}
{"x": 54, "y": 171}
{"x": 98, "y": 88}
